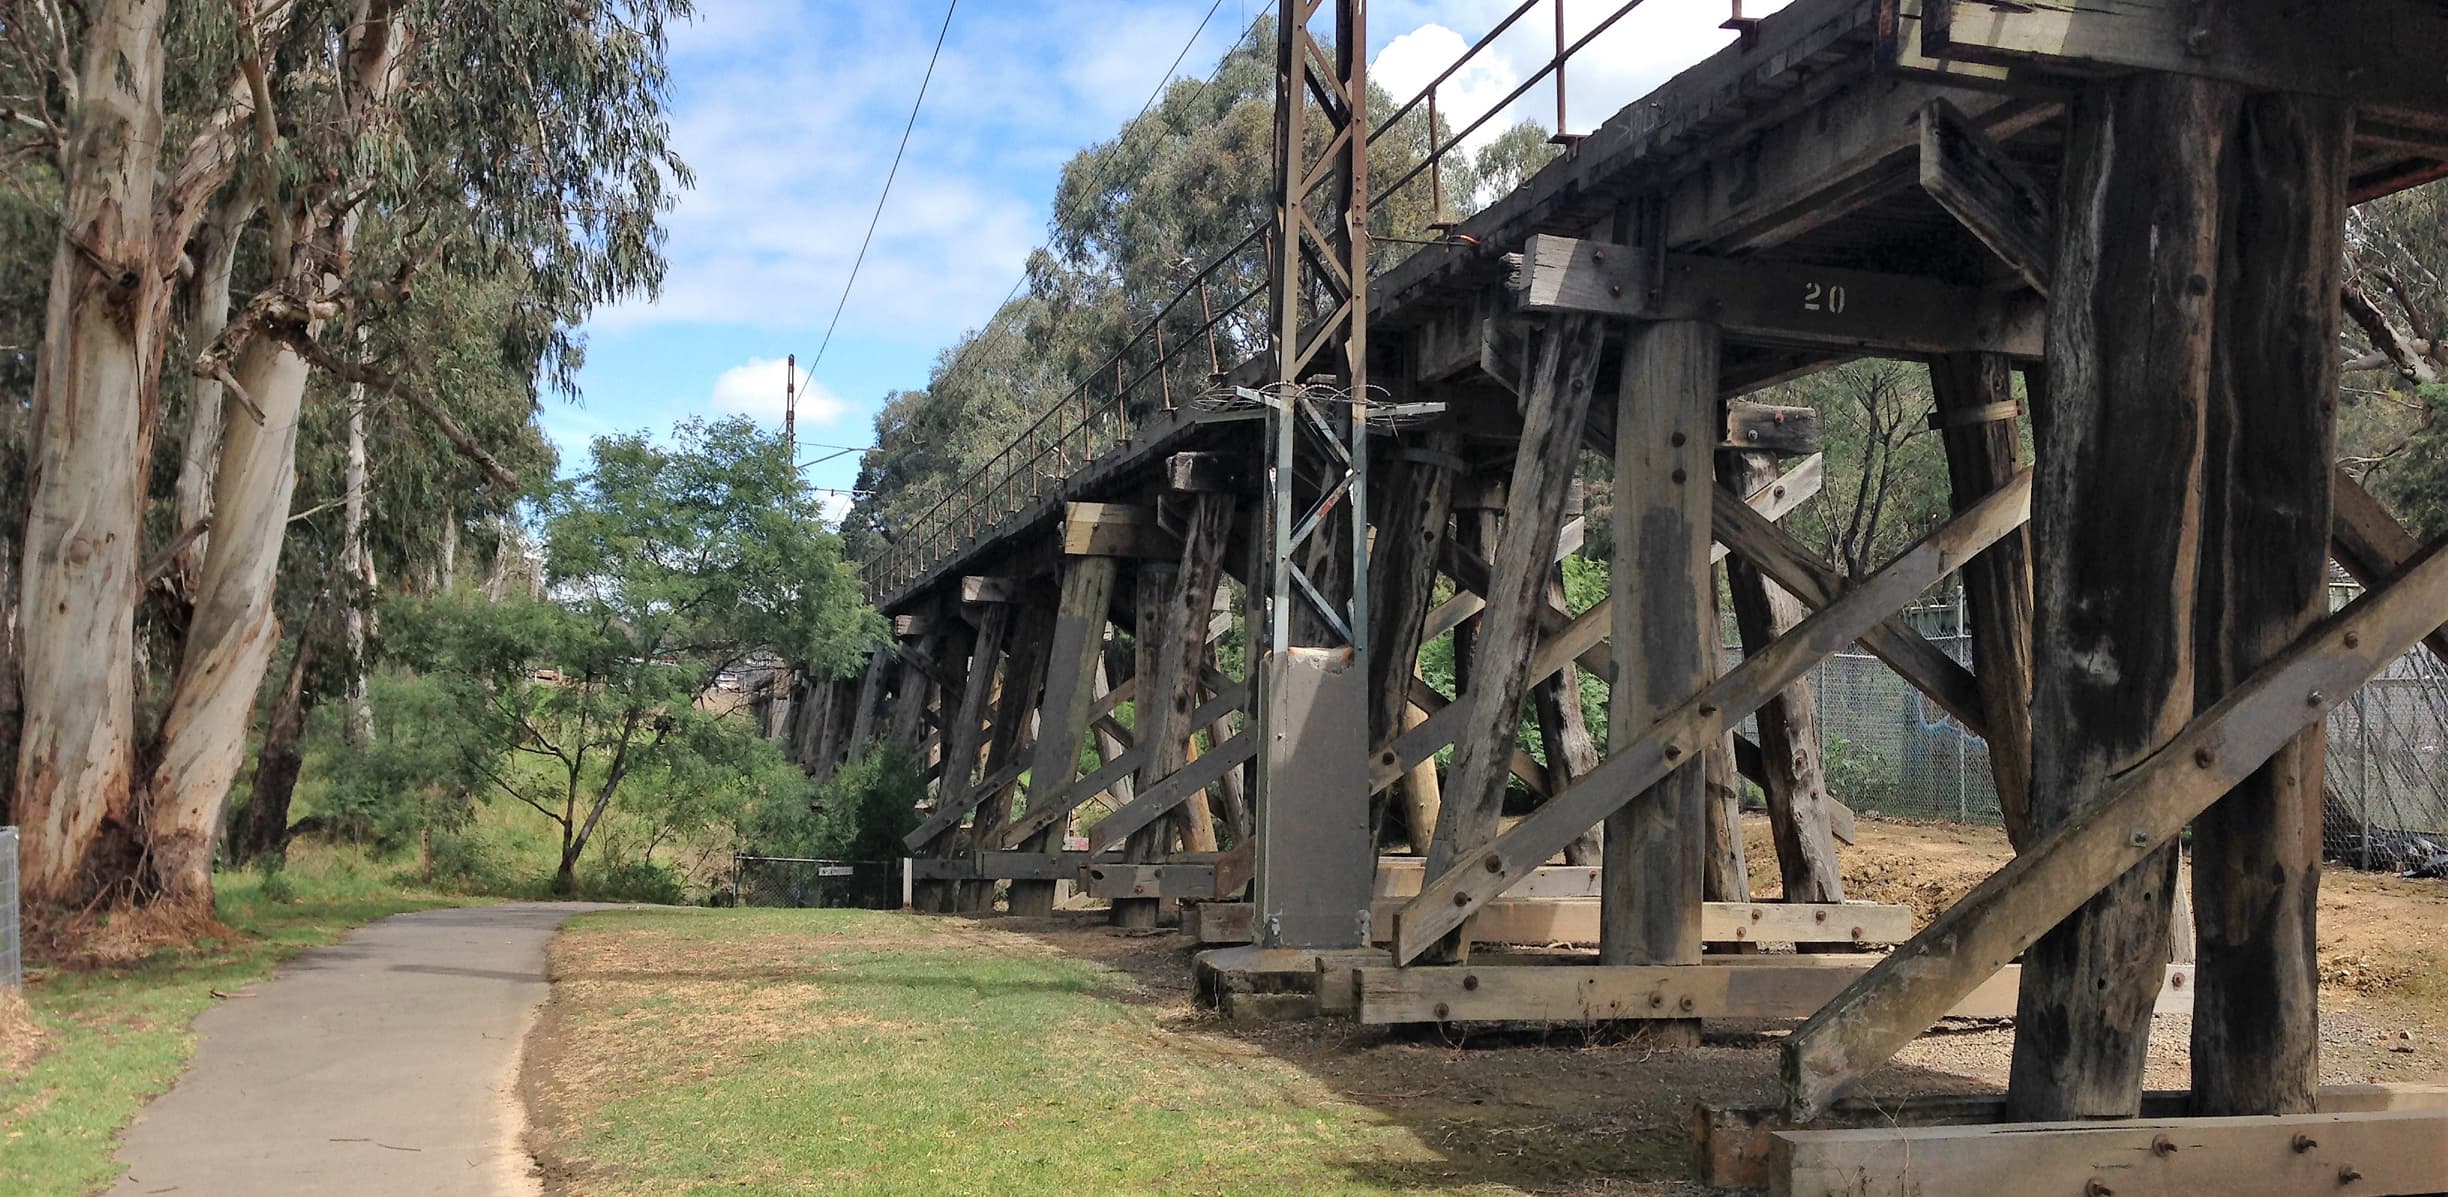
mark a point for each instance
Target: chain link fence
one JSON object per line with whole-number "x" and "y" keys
{"x": 1889, "y": 750}
{"x": 12, "y": 935}
{"x": 795, "y": 881}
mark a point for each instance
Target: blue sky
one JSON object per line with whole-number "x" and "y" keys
{"x": 789, "y": 110}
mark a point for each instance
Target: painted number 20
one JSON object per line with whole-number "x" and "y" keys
{"x": 1819, "y": 298}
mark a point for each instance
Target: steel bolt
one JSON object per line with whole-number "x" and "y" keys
{"x": 1470, "y": 981}
{"x": 1461, "y": 899}
{"x": 1685, "y": 1005}
{"x": 2098, "y": 1188}
{"x": 2202, "y": 757}
{"x": 2354, "y": 639}
{"x": 2161, "y": 1145}
{"x": 2303, "y": 1143}
{"x": 2314, "y": 698}
{"x": 2349, "y": 1174}
{"x": 1443, "y": 1011}
{"x": 1493, "y": 865}
{"x": 1657, "y": 1001}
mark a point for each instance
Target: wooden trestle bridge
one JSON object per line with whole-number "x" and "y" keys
{"x": 2121, "y": 220}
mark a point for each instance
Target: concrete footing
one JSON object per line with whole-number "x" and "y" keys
{"x": 1253, "y": 985}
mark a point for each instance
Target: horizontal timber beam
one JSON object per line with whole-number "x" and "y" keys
{"x": 1744, "y": 987}
{"x": 1109, "y": 879}
{"x": 1544, "y": 921}
{"x": 1116, "y": 530}
{"x": 1778, "y": 303}
{"x": 1733, "y": 1142}
{"x": 2390, "y": 1152}
{"x": 2373, "y": 52}
{"x": 1000, "y": 866}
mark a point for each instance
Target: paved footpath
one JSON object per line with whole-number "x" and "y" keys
{"x": 384, "y": 1064}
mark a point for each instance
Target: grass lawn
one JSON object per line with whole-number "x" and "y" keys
{"x": 114, "y": 1037}
{"x": 764, "y": 1051}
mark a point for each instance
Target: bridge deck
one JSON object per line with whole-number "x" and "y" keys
{"x": 1801, "y": 143}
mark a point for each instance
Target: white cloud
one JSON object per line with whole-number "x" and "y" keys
{"x": 1407, "y": 64}
{"x": 831, "y": 507}
{"x": 755, "y": 388}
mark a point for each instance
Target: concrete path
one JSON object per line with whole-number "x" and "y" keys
{"x": 384, "y": 1064}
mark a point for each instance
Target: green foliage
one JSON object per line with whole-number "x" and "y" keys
{"x": 860, "y": 813}
{"x": 669, "y": 565}
{"x": 1859, "y": 778}
{"x": 2415, "y": 480}
{"x": 421, "y": 772}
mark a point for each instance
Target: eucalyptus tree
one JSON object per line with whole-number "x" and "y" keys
{"x": 670, "y": 564}
{"x": 489, "y": 133}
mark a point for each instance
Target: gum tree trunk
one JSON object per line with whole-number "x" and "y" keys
{"x": 102, "y": 329}
{"x": 234, "y": 630}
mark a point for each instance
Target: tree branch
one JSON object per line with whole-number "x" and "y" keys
{"x": 159, "y": 563}
{"x": 375, "y": 379}
{"x": 2385, "y": 337}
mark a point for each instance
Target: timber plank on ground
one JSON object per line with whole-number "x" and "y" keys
{"x": 1733, "y": 1142}
{"x": 2385, "y": 1152}
{"x": 1734, "y": 987}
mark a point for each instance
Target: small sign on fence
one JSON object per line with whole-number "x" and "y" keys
{"x": 799, "y": 881}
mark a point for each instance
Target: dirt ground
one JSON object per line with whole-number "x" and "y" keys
{"x": 1563, "y": 1112}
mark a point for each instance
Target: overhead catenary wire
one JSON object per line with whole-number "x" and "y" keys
{"x": 994, "y": 327}
{"x": 895, "y": 172}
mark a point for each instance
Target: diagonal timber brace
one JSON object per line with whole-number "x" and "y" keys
{"x": 1702, "y": 720}
{"x": 1234, "y": 698}
{"x": 2141, "y": 810}
{"x": 1581, "y": 639}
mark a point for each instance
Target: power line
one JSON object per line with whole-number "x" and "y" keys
{"x": 991, "y": 326}
{"x": 889, "y": 176}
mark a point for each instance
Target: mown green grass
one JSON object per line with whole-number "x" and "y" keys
{"x": 114, "y": 1037}
{"x": 843, "y": 1051}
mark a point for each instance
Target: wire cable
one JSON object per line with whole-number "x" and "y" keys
{"x": 992, "y": 327}
{"x": 889, "y": 176}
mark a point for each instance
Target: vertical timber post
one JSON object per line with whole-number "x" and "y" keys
{"x": 1560, "y": 373}
{"x": 1414, "y": 505}
{"x": 1651, "y": 889}
{"x": 970, "y": 648}
{"x": 1975, "y": 400}
{"x": 1789, "y": 724}
{"x": 1071, "y": 662}
{"x": 1564, "y": 727}
{"x": 2271, "y": 434}
{"x": 1023, "y": 680}
{"x": 2116, "y": 535}
{"x": 1152, "y": 604}
{"x": 1314, "y": 861}
{"x": 870, "y": 699}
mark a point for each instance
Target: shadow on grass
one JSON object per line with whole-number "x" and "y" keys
{"x": 1554, "y": 1109}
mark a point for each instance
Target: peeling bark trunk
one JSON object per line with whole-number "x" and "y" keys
{"x": 216, "y": 255}
{"x": 357, "y": 568}
{"x": 102, "y": 329}
{"x": 231, "y": 638}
